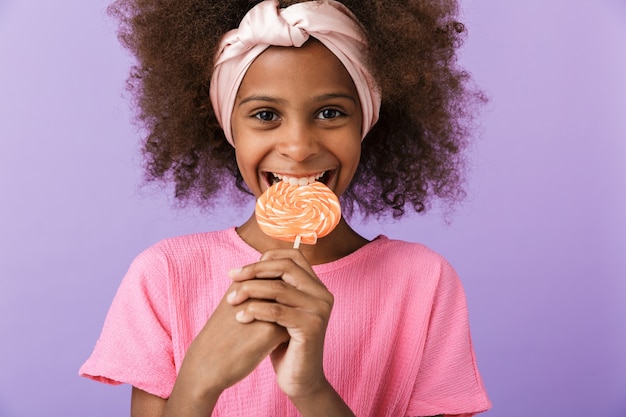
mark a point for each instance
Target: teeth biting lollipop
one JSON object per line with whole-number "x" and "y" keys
{"x": 298, "y": 213}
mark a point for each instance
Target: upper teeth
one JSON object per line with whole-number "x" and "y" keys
{"x": 299, "y": 180}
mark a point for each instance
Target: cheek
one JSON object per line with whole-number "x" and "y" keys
{"x": 245, "y": 159}
{"x": 249, "y": 153}
{"x": 351, "y": 152}
{"x": 236, "y": 131}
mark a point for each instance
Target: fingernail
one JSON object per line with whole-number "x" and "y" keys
{"x": 230, "y": 297}
{"x": 239, "y": 316}
{"x": 234, "y": 272}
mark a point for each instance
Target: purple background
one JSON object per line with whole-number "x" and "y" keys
{"x": 540, "y": 243}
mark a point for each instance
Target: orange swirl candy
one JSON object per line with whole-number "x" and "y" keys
{"x": 298, "y": 213}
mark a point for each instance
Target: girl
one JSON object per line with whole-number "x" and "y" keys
{"x": 234, "y": 322}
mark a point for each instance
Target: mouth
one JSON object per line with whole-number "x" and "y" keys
{"x": 273, "y": 178}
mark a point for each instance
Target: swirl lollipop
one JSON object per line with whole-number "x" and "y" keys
{"x": 298, "y": 213}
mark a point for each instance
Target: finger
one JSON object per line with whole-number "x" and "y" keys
{"x": 293, "y": 254}
{"x": 252, "y": 271}
{"x": 275, "y": 290}
{"x": 238, "y": 274}
{"x": 283, "y": 268}
{"x": 288, "y": 317}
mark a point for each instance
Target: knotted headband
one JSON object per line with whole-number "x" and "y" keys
{"x": 265, "y": 25}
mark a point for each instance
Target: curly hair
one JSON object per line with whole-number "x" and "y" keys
{"x": 415, "y": 153}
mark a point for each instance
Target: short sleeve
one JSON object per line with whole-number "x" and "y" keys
{"x": 135, "y": 346}
{"x": 448, "y": 381}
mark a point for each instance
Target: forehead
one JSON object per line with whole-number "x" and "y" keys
{"x": 309, "y": 66}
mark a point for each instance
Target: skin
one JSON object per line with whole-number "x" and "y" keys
{"x": 297, "y": 113}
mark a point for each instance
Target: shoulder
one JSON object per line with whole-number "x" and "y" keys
{"x": 191, "y": 242}
{"x": 183, "y": 251}
{"x": 409, "y": 254}
{"x": 417, "y": 268}
{"x": 408, "y": 269}
{"x": 188, "y": 246}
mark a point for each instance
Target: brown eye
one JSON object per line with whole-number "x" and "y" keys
{"x": 266, "y": 116}
{"x": 329, "y": 114}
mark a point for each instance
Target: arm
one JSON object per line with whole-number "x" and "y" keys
{"x": 325, "y": 402}
{"x": 254, "y": 320}
{"x": 212, "y": 364}
{"x": 300, "y": 303}
{"x": 143, "y": 404}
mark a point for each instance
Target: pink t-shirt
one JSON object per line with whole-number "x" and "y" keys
{"x": 397, "y": 344}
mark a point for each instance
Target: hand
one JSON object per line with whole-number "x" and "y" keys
{"x": 224, "y": 352}
{"x": 282, "y": 288}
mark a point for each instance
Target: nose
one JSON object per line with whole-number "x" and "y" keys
{"x": 298, "y": 141}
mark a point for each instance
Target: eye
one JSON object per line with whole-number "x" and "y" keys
{"x": 266, "y": 116}
{"x": 329, "y": 114}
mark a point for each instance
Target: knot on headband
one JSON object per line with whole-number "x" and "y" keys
{"x": 265, "y": 25}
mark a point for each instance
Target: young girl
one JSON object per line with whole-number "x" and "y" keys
{"x": 366, "y": 99}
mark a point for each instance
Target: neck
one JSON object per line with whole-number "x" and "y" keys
{"x": 339, "y": 243}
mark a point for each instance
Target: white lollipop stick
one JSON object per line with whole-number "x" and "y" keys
{"x": 296, "y": 243}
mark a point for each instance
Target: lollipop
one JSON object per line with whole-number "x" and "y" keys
{"x": 298, "y": 213}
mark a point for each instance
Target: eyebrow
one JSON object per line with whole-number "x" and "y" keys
{"x": 336, "y": 95}
{"x": 281, "y": 101}
{"x": 260, "y": 98}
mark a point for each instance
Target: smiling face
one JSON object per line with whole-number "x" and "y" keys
{"x": 297, "y": 118}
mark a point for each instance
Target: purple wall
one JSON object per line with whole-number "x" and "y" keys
{"x": 540, "y": 244}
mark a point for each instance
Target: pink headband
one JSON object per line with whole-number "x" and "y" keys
{"x": 264, "y": 25}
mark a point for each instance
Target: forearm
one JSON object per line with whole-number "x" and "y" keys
{"x": 187, "y": 401}
{"x": 195, "y": 392}
{"x": 144, "y": 404}
{"x": 326, "y": 402}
